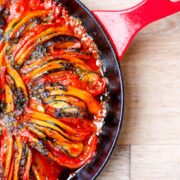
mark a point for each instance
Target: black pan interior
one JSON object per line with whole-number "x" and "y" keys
{"x": 113, "y": 120}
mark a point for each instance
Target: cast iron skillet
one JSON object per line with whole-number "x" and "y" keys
{"x": 130, "y": 22}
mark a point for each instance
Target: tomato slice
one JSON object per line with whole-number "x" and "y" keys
{"x": 93, "y": 83}
{"x": 63, "y": 77}
{"x": 98, "y": 88}
{"x": 45, "y": 167}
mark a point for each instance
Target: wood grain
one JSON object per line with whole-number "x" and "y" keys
{"x": 151, "y": 127}
{"x": 118, "y": 166}
{"x": 109, "y": 4}
{"x": 152, "y": 82}
{"x": 155, "y": 162}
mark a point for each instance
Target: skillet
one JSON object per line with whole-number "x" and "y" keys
{"x": 113, "y": 120}
{"x": 112, "y": 71}
{"x": 113, "y": 31}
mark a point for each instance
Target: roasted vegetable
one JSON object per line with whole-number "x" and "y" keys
{"x": 27, "y": 167}
{"x": 9, "y": 155}
{"x": 2, "y": 83}
{"x": 17, "y": 157}
{"x": 9, "y": 99}
{"x": 68, "y": 161}
{"x": 18, "y": 80}
{"x": 73, "y": 149}
{"x": 50, "y": 87}
{"x": 25, "y": 20}
{"x": 43, "y": 37}
{"x": 93, "y": 105}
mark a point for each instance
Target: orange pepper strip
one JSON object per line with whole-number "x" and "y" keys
{"x": 48, "y": 34}
{"x": 29, "y": 16}
{"x": 9, "y": 99}
{"x": 34, "y": 65}
{"x": 39, "y": 62}
{"x": 64, "y": 45}
{"x": 2, "y": 55}
{"x": 18, "y": 156}
{"x": 63, "y": 142}
{"x": 47, "y": 118}
{"x": 25, "y": 39}
{"x": 93, "y": 105}
{"x": 28, "y": 51}
{"x": 49, "y": 125}
{"x": 28, "y": 166}
{"x": 73, "y": 59}
{"x": 8, "y": 156}
{"x": 52, "y": 133}
{"x": 37, "y": 174}
{"x": 36, "y": 131}
{"x": 11, "y": 170}
{"x": 17, "y": 78}
{"x": 10, "y": 25}
{"x": 39, "y": 71}
{"x": 72, "y": 138}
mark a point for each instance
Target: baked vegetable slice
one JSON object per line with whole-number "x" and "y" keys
{"x": 50, "y": 91}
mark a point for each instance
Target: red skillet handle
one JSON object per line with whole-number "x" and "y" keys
{"x": 122, "y": 26}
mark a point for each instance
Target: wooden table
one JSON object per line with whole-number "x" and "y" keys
{"x": 149, "y": 144}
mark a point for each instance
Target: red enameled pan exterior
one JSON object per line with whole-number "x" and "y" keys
{"x": 122, "y": 26}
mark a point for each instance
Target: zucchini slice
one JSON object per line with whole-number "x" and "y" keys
{"x": 73, "y": 149}
{"x": 93, "y": 105}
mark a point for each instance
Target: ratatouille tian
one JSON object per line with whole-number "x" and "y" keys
{"x": 51, "y": 91}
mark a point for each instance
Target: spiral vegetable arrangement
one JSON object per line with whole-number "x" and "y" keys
{"x": 50, "y": 87}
